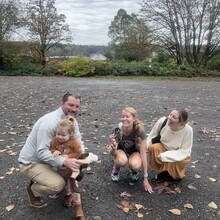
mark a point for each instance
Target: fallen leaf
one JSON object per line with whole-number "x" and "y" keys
{"x": 131, "y": 183}
{"x": 97, "y": 218}
{"x": 164, "y": 188}
{"x": 188, "y": 206}
{"x": 9, "y": 208}
{"x": 177, "y": 189}
{"x": 125, "y": 195}
{"x": 11, "y": 153}
{"x": 138, "y": 206}
{"x": 11, "y": 132}
{"x": 120, "y": 206}
{"x": 204, "y": 130}
{"x": 197, "y": 176}
{"x": 191, "y": 187}
{"x": 125, "y": 203}
{"x": 212, "y": 205}
{"x": 192, "y": 122}
{"x": 139, "y": 215}
{"x": 126, "y": 209}
{"x": 175, "y": 211}
{"x": 212, "y": 179}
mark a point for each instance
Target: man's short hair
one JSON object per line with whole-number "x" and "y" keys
{"x": 66, "y": 95}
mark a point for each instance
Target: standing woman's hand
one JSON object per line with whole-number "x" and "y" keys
{"x": 147, "y": 186}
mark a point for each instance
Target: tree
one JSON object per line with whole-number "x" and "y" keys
{"x": 9, "y": 20}
{"x": 46, "y": 27}
{"x": 130, "y": 36}
{"x": 188, "y": 30}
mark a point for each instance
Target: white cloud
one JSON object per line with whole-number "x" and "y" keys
{"x": 89, "y": 19}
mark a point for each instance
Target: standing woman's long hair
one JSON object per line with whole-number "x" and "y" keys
{"x": 138, "y": 125}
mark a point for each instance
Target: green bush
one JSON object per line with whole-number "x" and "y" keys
{"x": 103, "y": 68}
{"x": 214, "y": 63}
{"x": 79, "y": 66}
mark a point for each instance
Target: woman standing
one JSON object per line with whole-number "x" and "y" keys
{"x": 170, "y": 147}
{"x": 128, "y": 147}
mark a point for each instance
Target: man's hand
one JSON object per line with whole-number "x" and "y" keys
{"x": 72, "y": 163}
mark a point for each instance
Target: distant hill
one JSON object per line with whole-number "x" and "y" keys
{"x": 89, "y": 49}
{"x": 74, "y": 50}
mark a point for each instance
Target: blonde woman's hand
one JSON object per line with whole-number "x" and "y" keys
{"x": 113, "y": 141}
{"x": 147, "y": 186}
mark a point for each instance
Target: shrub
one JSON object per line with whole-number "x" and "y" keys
{"x": 103, "y": 68}
{"x": 79, "y": 66}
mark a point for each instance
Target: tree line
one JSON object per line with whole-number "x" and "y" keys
{"x": 181, "y": 31}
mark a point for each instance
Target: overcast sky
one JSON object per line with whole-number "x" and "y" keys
{"x": 89, "y": 19}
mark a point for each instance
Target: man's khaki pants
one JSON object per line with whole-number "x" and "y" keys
{"x": 46, "y": 181}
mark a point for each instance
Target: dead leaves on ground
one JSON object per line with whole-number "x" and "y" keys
{"x": 163, "y": 187}
{"x": 126, "y": 205}
{"x": 214, "y": 133}
{"x": 176, "y": 211}
{"x": 9, "y": 172}
{"x": 9, "y": 150}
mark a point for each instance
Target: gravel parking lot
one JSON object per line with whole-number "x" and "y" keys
{"x": 24, "y": 99}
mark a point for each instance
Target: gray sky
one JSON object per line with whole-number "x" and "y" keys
{"x": 89, "y": 19}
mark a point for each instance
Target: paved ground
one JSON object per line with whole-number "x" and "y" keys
{"x": 24, "y": 99}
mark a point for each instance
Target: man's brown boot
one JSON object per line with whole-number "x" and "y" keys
{"x": 79, "y": 212}
{"x": 35, "y": 202}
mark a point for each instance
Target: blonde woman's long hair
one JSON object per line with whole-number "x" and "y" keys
{"x": 137, "y": 126}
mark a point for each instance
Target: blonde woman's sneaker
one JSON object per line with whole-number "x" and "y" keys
{"x": 115, "y": 174}
{"x": 135, "y": 176}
